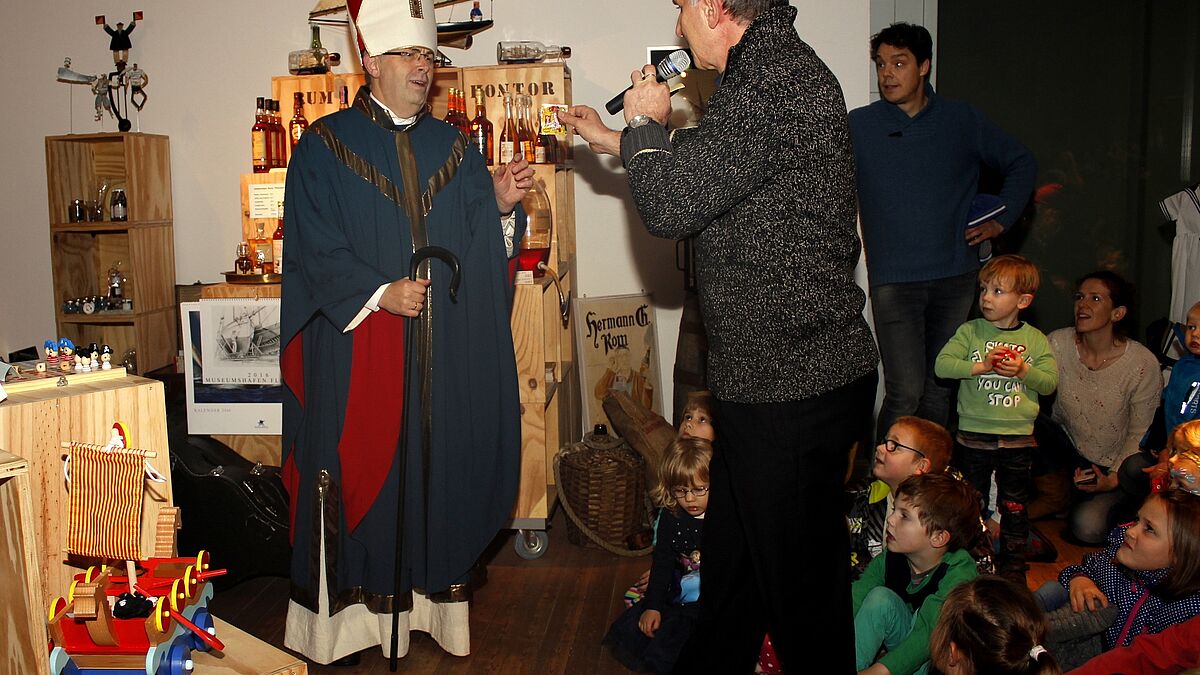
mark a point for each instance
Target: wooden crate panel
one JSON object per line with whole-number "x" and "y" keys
{"x": 527, "y": 323}
{"x": 245, "y": 655}
{"x": 250, "y": 225}
{"x": 149, "y": 185}
{"x": 21, "y": 611}
{"x": 76, "y": 271}
{"x": 75, "y": 165}
{"x": 532, "y": 501}
{"x": 157, "y": 337}
{"x": 149, "y": 267}
{"x": 254, "y": 291}
{"x": 36, "y": 422}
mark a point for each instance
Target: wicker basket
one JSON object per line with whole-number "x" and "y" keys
{"x": 602, "y": 482}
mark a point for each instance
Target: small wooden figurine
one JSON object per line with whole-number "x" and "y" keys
{"x": 51, "y": 348}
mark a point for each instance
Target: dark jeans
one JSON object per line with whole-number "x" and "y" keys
{"x": 1094, "y": 514}
{"x": 913, "y": 321}
{"x": 1014, "y": 487}
{"x": 775, "y": 539}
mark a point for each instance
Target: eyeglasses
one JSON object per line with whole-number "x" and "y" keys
{"x": 413, "y": 55}
{"x": 892, "y": 445}
{"x": 682, "y": 492}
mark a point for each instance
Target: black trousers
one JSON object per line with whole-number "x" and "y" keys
{"x": 776, "y": 547}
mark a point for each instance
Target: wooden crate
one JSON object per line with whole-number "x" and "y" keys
{"x": 245, "y": 655}
{"x": 250, "y": 225}
{"x": 82, "y": 253}
{"x": 22, "y": 612}
{"x": 321, "y": 93}
{"x": 545, "y": 82}
{"x": 35, "y": 423}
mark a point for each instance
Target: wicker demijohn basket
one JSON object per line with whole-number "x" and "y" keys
{"x": 602, "y": 483}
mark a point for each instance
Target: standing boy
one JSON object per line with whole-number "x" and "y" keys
{"x": 899, "y": 597}
{"x": 1004, "y": 365}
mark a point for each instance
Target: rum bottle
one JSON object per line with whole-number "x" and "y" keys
{"x": 298, "y": 123}
{"x": 481, "y": 129}
{"x": 508, "y": 133}
{"x": 281, "y": 144}
{"x": 525, "y": 130}
{"x": 260, "y": 139}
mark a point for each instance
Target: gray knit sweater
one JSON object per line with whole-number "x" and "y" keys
{"x": 767, "y": 182}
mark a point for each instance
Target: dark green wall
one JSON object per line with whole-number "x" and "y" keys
{"x": 1096, "y": 90}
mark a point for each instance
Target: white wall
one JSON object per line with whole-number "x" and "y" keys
{"x": 207, "y": 61}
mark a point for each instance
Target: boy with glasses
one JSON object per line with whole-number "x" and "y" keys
{"x": 911, "y": 447}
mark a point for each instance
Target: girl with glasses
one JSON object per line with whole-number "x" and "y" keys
{"x": 649, "y": 635}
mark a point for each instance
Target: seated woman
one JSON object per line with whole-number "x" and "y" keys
{"x": 1109, "y": 386}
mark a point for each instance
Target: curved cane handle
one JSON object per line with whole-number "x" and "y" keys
{"x": 424, "y": 253}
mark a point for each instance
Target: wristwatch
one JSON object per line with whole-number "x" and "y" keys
{"x": 640, "y": 121}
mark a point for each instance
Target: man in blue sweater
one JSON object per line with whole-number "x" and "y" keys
{"x": 918, "y": 157}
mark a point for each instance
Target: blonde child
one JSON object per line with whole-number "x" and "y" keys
{"x": 650, "y": 634}
{"x": 991, "y": 625}
{"x": 1004, "y": 365}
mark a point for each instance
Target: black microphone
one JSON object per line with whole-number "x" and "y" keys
{"x": 675, "y": 63}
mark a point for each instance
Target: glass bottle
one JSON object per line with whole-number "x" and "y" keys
{"x": 259, "y": 143}
{"x": 243, "y": 264}
{"x": 508, "y": 133}
{"x": 481, "y": 129}
{"x": 463, "y": 119}
{"x": 118, "y": 206}
{"x": 277, "y": 243}
{"x": 261, "y": 251}
{"x": 298, "y": 124}
{"x": 312, "y": 61}
{"x": 476, "y": 13}
{"x": 535, "y": 245}
{"x": 529, "y": 51}
{"x": 525, "y": 130}
{"x": 344, "y": 97}
{"x": 279, "y": 157}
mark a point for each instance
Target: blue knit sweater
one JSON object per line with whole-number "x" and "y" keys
{"x": 916, "y": 179}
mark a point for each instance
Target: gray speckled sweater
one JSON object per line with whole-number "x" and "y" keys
{"x": 767, "y": 181}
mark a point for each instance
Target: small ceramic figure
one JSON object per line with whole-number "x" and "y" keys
{"x": 66, "y": 354}
{"x": 81, "y": 363}
{"x": 137, "y": 79}
{"x": 106, "y": 353}
{"x": 51, "y": 348}
{"x": 94, "y": 356}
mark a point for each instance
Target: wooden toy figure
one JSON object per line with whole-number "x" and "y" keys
{"x": 82, "y": 363}
{"x": 119, "y": 44}
{"x": 106, "y": 353}
{"x": 51, "y": 348}
{"x": 94, "y": 356}
{"x": 66, "y": 354}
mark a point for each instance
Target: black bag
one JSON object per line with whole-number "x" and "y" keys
{"x": 236, "y": 510}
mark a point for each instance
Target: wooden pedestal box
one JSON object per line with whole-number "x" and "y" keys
{"x": 36, "y": 423}
{"x": 22, "y": 613}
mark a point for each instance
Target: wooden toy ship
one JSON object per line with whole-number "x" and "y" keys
{"x": 146, "y": 618}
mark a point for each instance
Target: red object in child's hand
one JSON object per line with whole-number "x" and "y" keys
{"x": 1004, "y": 354}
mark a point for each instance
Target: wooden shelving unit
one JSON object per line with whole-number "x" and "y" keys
{"x": 81, "y": 253}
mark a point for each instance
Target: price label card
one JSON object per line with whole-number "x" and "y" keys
{"x": 265, "y": 199}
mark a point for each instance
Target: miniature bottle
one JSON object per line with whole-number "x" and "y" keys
{"x": 529, "y": 51}
{"x": 277, "y": 243}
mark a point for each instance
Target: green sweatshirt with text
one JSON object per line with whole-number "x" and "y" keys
{"x": 991, "y": 403}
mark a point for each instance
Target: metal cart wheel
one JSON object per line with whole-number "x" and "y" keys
{"x": 531, "y": 544}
